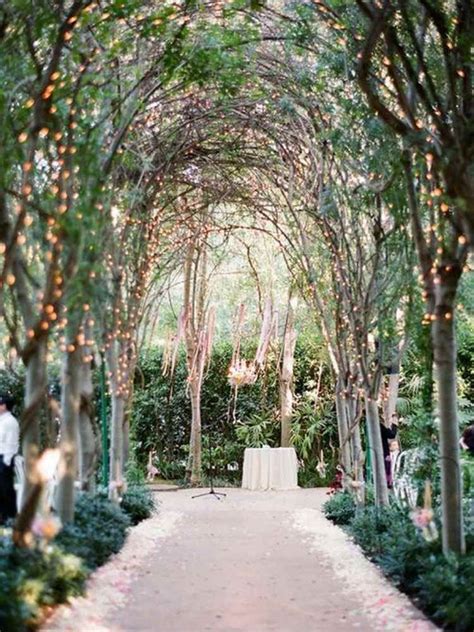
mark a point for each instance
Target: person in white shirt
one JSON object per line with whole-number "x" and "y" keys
{"x": 9, "y": 445}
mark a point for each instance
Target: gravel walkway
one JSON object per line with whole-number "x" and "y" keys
{"x": 253, "y": 562}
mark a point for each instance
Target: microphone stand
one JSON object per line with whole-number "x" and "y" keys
{"x": 212, "y": 491}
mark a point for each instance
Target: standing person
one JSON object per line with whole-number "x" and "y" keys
{"x": 9, "y": 444}
{"x": 388, "y": 433}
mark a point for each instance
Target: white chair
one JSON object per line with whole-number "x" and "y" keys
{"x": 19, "y": 464}
{"x": 404, "y": 487}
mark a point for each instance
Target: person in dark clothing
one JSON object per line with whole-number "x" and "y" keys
{"x": 9, "y": 444}
{"x": 388, "y": 433}
{"x": 467, "y": 460}
{"x": 467, "y": 439}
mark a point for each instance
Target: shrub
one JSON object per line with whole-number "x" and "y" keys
{"x": 445, "y": 590}
{"x": 441, "y": 586}
{"x": 134, "y": 474}
{"x": 368, "y": 527}
{"x": 34, "y": 578}
{"x": 31, "y": 579}
{"x": 137, "y": 503}
{"x": 340, "y": 508}
{"x": 99, "y": 529}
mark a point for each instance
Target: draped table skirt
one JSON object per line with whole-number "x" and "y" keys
{"x": 270, "y": 468}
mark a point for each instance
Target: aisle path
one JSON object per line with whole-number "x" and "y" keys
{"x": 253, "y": 562}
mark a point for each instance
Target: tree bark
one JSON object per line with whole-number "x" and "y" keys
{"x": 70, "y": 403}
{"x": 35, "y": 393}
{"x": 376, "y": 452}
{"x": 88, "y": 446}
{"x": 286, "y": 377}
{"x": 343, "y": 432}
{"x": 195, "y": 452}
{"x": 352, "y": 413}
{"x": 116, "y": 446}
{"x": 117, "y": 399}
{"x": 444, "y": 350}
{"x": 392, "y": 396}
{"x": 126, "y": 434}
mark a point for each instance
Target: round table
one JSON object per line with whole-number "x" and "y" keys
{"x": 270, "y": 468}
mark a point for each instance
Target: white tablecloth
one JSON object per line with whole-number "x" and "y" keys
{"x": 270, "y": 468}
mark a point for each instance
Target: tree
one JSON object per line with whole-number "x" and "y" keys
{"x": 286, "y": 373}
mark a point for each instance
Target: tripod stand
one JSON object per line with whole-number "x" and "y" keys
{"x": 212, "y": 491}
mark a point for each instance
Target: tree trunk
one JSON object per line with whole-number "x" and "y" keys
{"x": 286, "y": 411}
{"x": 356, "y": 441}
{"x": 343, "y": 432}
{"x": 126, "y": 435}
{"x": 70, "y": 403}
{"x": 116, "y": 446}
{"x": 376, "y": 451}
{"x": 286, "y": 377}
{"x": 87, "y": 452}
{"x": 444, "y": 350}
{"x": 131, "y": 352}
{"x": 195, "y": 445}
{"x": 392, "y": 395}
{"x": 118, "y": 402}
{"x": 88, "y": 447}
{"x": 35, "y": 393}
{"x": 426, "y": 349}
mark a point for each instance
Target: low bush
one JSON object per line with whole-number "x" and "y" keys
{"x": 137, "y": 503}
{"x": 32, "y": 579}
{"x": 340, "y": 508}
{"x": 444, "y": 589}
{"x": 99, "y": 530}
{"x": 441, "y": 586}
{"x": 368, "y": 526}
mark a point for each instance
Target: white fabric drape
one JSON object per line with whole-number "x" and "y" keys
{"x": 270, "y": 468}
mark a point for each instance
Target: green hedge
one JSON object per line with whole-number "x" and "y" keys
{"x": 441, "y": 586}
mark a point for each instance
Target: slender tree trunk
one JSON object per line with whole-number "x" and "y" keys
{"x": 356, "y": 441}
{"x": 132, "y": 353}
{"x": 286, "y": 377}
{"x": 52, "y": 420}
{"x": 87, "y": 453}
{"x": 444, "y": 349}
{"x": 343, "y": 432}
{"x": 427, "y": 389}
{"x": 116, "y": 446}
{"x": 70, "y": 403}
{"x": 88, "y": 445}
{"x": 392, "y": 394}
{"x": 376, "y": 452}
{"x": 126, "y": 436}
{"x": 35, "y": 393}
{"x": 357, "y": 454}
{"x": 195, "y": 447}
{"x": 117, "y": 399}
{"x": 286, "y": 411}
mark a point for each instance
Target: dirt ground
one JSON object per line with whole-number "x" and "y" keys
{"x": 253, "y": 562}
